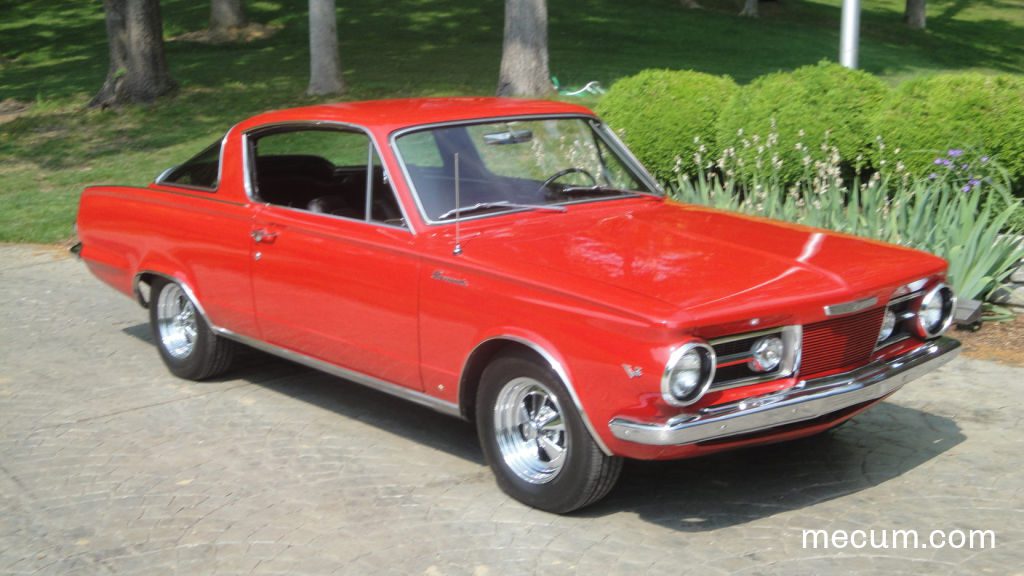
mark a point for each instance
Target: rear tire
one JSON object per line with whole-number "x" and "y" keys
{"x": 187, "y": 345}
{"x": 535, "y": 441}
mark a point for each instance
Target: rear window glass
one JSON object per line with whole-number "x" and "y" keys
{"x": 201, "y": 171}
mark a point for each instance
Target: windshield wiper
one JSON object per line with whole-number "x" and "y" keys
{"x": 499, "y": 204}
{"x": 603, "y": 189}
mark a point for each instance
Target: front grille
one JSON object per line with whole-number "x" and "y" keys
{"x": 840, "y": 342}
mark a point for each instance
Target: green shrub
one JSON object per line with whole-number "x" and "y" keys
{"x": 927, "y": 117}
{"x": 782, "y": 120}
{"x": 659, "y": 113}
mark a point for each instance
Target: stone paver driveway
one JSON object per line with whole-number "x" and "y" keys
{"x": 109, "y": 465}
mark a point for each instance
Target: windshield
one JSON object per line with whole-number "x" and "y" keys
{"x": 513, "y": 165}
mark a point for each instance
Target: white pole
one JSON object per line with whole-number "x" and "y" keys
{"x": 849, "y": 35}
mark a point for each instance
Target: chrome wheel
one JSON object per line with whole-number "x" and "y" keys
{"x": 177, "y": 323}
{"x": 530, "y": 430}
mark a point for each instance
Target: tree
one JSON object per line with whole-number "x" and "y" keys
{"x": 226, "y": 15}
{"x": 138, "y": 70}
{"x": 324, "y": 62}
{"x": 524, "y": 54}
{"x": 749, "y": 8}
{"x": 914, "y": 15}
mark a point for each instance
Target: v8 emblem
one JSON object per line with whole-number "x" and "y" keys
{"x": 633, "y": 371}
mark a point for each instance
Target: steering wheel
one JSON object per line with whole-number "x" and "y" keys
{"x": 566, "y": 172}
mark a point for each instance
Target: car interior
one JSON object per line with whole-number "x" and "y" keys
{"x": 312, "y": 182}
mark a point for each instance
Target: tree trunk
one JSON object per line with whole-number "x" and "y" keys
{"x": 914, "y": 15}
{"x": 226, "y": 14}
{"x": 691, "y": 4}
{"x": 324, "y": 62}
{"x": 524, "y": 54}
{"x": 138, "y": 69}
{"x": 749, "y": 8}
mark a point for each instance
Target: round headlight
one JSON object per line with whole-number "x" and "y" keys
{"x": 766, "y": 354}
{"x": 888, "y": 325}
{"x": 935, "y": 311}
{"x": 689, "y": 372}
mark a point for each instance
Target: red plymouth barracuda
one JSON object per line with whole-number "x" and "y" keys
{"x": 511, "y": 263}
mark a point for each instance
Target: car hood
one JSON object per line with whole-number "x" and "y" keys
{"x": 700, "y": 261}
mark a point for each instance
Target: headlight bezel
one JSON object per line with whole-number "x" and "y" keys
{"x": 948, "y": 303}
{"x": 708, "y": 363}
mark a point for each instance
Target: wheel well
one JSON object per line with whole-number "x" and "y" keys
{"x": 141, "y": 287}
{"x": 483, "y": 355}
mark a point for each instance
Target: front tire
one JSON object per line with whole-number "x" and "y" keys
{"x": 535, "y": 441}
{"x": 186, "y": 343}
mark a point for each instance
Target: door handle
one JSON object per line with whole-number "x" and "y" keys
{"x": 262, "y": 236}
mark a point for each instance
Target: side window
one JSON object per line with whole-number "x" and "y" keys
{"x": 201, "y": 171}
{"x": 328, "y": 171}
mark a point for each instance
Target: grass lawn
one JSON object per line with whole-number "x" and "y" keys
{"x": 53, "y": 58}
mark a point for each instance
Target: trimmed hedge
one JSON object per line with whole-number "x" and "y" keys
{"x": 983, "y": 114}
{"x": 659, "y": 112}
{"x": 958, "y": 119}
{"x": 823, "y": 102}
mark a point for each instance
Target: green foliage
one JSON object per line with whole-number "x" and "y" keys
{"x": 809, "y": 110}
{"x": 944, "y": 215}
{"x": 53, "y": 57}
{"x": 926, "y": 117}
{"x": 665, "y": 115}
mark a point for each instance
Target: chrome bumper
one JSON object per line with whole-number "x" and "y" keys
{"x": 807, "y": 400}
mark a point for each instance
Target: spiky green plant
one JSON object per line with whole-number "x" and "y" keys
{"x": 961, "y": 218}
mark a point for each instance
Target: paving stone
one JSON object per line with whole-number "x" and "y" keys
{"x": 109, "y": 465}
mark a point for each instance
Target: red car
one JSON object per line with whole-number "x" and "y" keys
{"x": 511, "y": 263}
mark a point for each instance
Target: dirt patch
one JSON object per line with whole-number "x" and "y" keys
{"x": 249, "y": 33}
{"x": 999, "y": 341}
{"x": 11, "y": 109}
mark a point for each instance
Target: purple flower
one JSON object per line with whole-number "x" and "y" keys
{"x": 965, "y": 166}
{"x": 984, "y": 159}
{"x": 973, "y": 182}
{"x": 955, "y": 152}
{"x": 966, "y": 188}
{"x": 938, "y": 161}
{"x": 933, "y": 176}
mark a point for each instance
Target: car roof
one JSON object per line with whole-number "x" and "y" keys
{"x": 405, "y": 112}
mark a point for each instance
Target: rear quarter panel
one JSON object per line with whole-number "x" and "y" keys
{"x": 197, "y": 238}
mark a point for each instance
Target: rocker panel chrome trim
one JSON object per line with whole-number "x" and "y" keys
{"x": 402, "y": 392}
